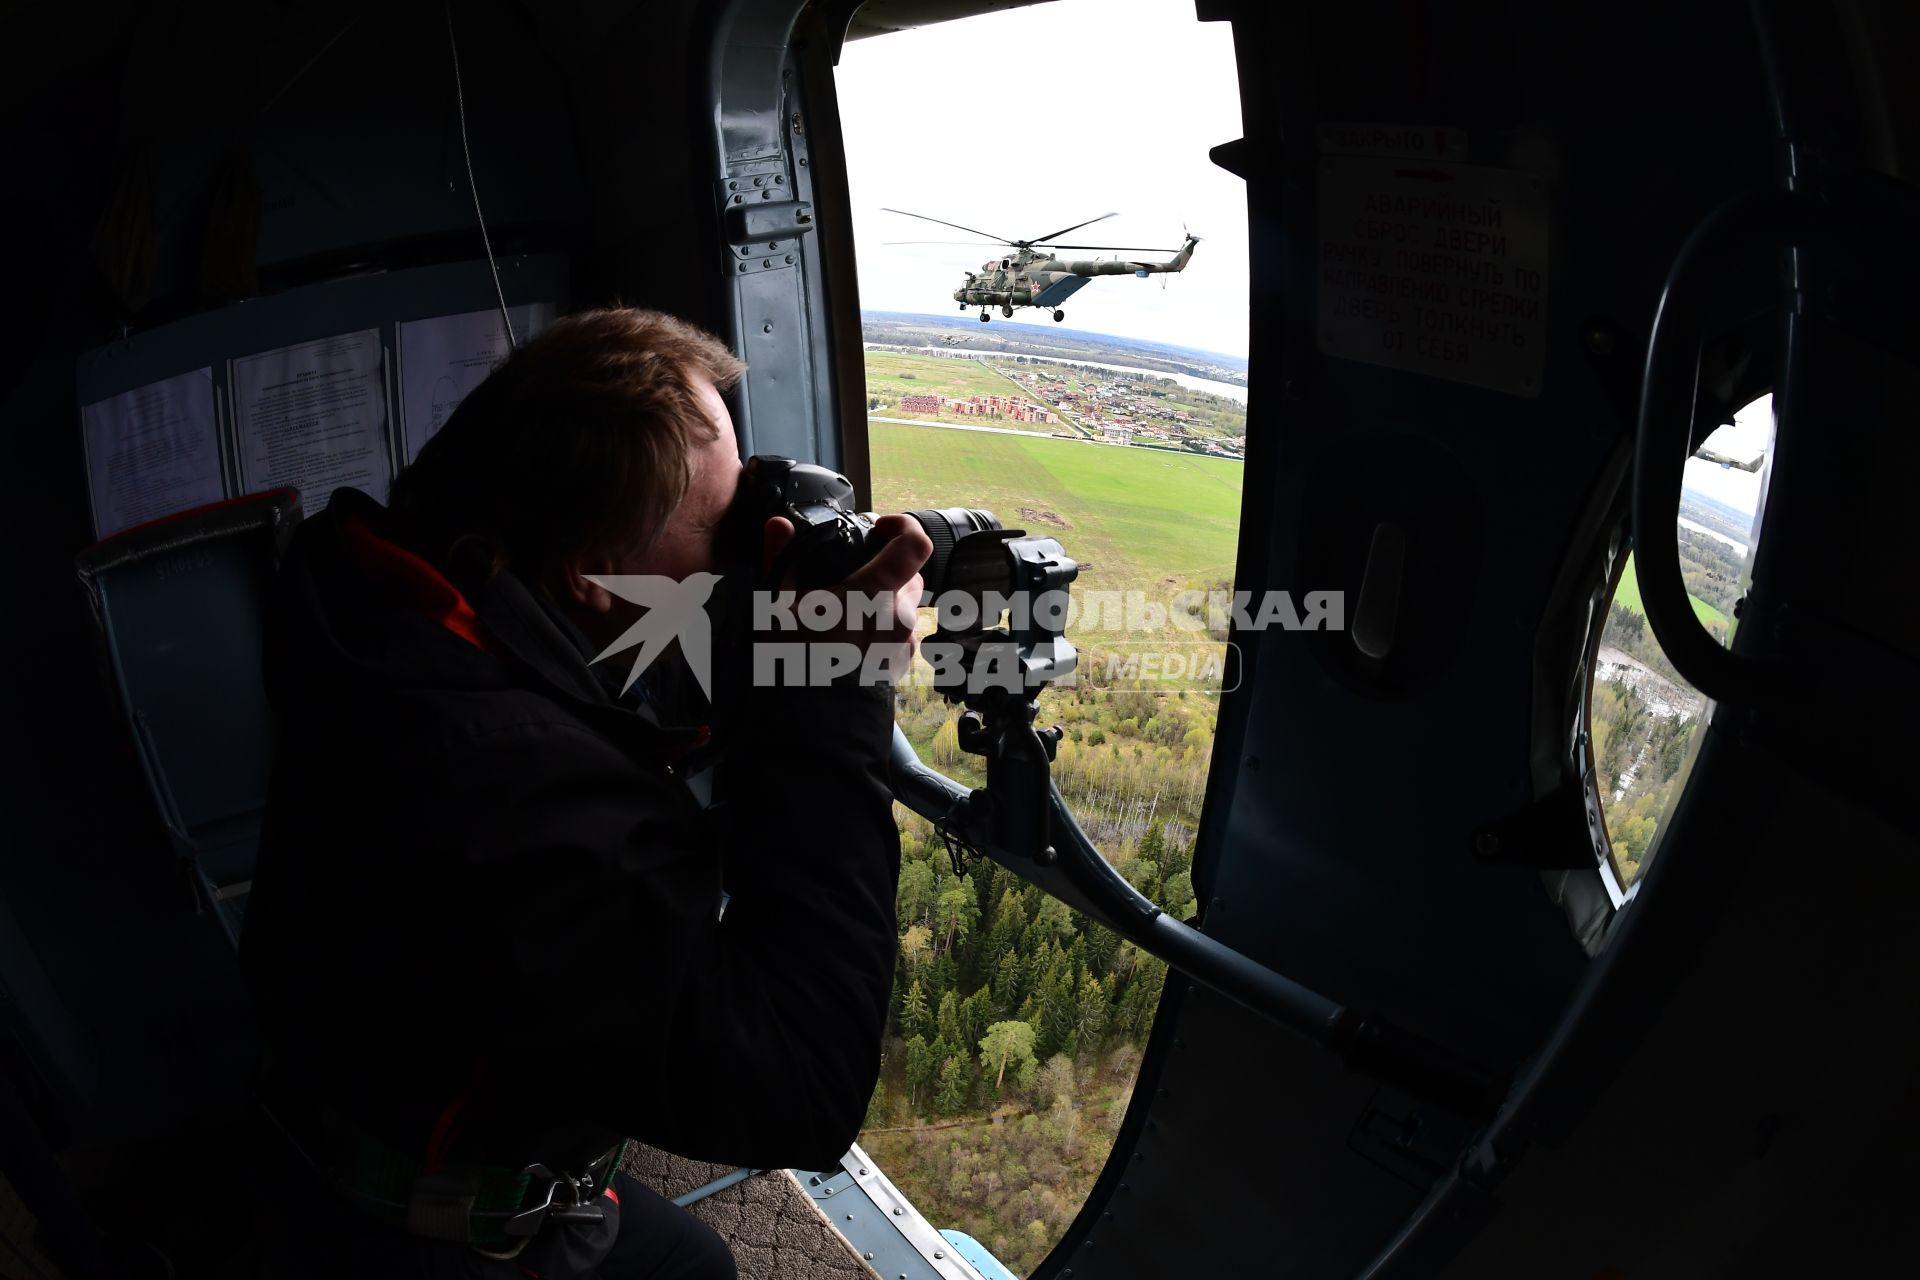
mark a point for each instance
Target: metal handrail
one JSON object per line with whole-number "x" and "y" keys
{"x": 1665, "y": 432}
{"x": 1083, "y": 879}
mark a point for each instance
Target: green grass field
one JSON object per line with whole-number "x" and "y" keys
{"x": 1629, "y": 595}
{"x": 1136, "y": 519}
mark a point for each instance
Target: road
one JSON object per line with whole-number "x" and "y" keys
{"x": 962, "y": 426}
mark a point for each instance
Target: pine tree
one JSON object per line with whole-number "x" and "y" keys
{"x": 1035, "y": 937}
{"x": 913, "y": 902}
{"x": 1178, "y": 856}
{"x": 1102, "y": 945}
{"x": 939, "y": 975}
{"x": 1008, "y": 1043}
{"x": 1153, "y": 845}
{"x": 921, "y": 1066}
{"x": 1143, "y": 998}
{"x": 956, "y": 1076}
{"x": 958, "y": 910}
{"x": 947, "y": 1021}
{"x": 1176, "y": 895}
{"x": 1009, "y": 918}
{"x": 914, "y": 1017}
{"x": 1053, "y": 999}
{"x": 1090, "y": 1013}
{"x": 1009, "y": 984}
{"x": 1065, "y": 920}
{"x": 976, "y": 1011}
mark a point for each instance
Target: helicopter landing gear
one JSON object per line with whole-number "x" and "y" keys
{"x": 985, "y": 315}
{"x": 963, "y": 306}
{"x": 1007, "y": 312}
{"x": 1059, "y": 315}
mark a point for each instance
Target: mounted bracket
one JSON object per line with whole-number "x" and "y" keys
{"x": 1413, "y": 1142}
{"x": 1551, "y": 834}
{"x": 763, "y": 222}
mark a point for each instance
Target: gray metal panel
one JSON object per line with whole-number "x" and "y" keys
{"x": 778, "y": 392}
{"x": 777, "y": 312}
{"x": 881, "y": 1223}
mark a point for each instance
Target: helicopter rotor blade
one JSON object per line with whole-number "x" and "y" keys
{"x": 1075, "y": 227}
{"x": 972, "y": 242}
{"x": 943, "y": 222}
{"x": 1114, "y": 248}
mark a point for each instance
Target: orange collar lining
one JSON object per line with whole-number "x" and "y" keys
{"x": 413, "y": 580}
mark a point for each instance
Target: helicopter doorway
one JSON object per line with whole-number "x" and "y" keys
{"x": 1089, "y": 383}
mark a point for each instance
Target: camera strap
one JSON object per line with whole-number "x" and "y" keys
{"x": 959, "y": 852}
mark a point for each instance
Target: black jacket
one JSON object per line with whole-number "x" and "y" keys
{"x": 484, "y": 918}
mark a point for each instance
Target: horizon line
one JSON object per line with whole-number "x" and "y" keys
{"x": 1095, "y": 333}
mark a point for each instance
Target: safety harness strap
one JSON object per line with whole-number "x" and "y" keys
{"x": 489, "y": 1206}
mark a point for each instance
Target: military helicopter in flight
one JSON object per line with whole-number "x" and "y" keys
{"x": 1032, "y": 276}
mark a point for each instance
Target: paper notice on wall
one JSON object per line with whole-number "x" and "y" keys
{"x": 1435, "y": 268}
{"x": 313, "y": 417}
{"x": 444, "y": 358}
{"x": 152, "y": 451}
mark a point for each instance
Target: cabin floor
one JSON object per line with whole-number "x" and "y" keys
{"x": 767, "y": 1220}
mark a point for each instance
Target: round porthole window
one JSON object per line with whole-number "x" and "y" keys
{"x": 1643, "y": 720}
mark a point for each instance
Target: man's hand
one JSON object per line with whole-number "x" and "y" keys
{"x": 894, "y": 572}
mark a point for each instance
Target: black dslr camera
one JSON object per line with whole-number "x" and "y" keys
{"x": 977, "y": 573}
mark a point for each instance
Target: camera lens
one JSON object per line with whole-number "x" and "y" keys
{"x": 946, "y": 527}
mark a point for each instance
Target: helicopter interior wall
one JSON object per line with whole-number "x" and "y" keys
{"x": 1751, "y": 1114}
{"x": 1735, "y": 1003}
{"x": 1337, "y": 846}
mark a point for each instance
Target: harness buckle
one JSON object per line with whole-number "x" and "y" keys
{"x": 569, "y": 1199}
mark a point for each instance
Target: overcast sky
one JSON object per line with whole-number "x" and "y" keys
{"x": 1750, "y": 435}
{"x": 1022, "y": 122}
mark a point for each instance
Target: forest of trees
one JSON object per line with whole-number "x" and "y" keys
{"x": 1640, "y": 756}
{"x": 1711, "y": 568}
{"x": 1643, "y": 724}
{"x": 1017, "y": 1024}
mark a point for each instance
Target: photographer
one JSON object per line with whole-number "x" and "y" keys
{"x": 488, "y": 931}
